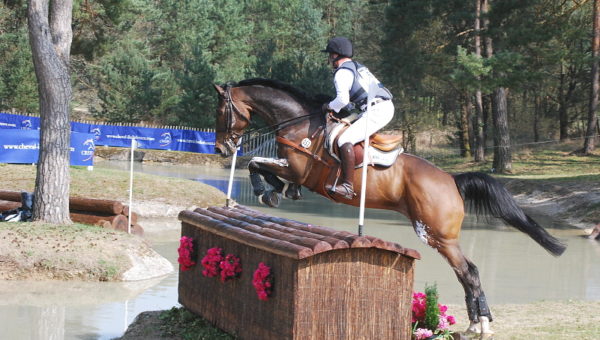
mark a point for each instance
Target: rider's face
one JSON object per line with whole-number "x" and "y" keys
{"x": 331, "y": 58}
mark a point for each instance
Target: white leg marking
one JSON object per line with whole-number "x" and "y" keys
{"x": 482, "y": 327}
{"x": 421, "y": 230}
{"x": 286, "y": 185}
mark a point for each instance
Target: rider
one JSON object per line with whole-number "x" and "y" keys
{"x": 352, "y": 82}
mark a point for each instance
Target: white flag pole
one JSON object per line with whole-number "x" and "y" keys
{"x": 133, "y": 146}
{"x": 363, "y": 186}
{"x": 230, "y": 184}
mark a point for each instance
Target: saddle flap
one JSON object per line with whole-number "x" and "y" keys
{"x": 376, "y": 156}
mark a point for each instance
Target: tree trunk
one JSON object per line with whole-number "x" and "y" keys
{"x": 50, "y": 38}
{"x": 479, "y": 152}
{"x": 502, "y": 154}
{"x": 487, "y": 108}
{"x": 590, "y": 136}
{"x": 536, "y": 117}
{"x": 563, "y": 119}
{"x": 465, "y": 147}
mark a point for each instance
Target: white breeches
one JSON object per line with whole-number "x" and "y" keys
{"x": 373, "y": 120}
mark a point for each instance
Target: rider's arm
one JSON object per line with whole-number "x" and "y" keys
{"x": 343, "y": 83}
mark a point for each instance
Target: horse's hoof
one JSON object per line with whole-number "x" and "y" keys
{"x": 270, "y": 198}
{"x": 292, "y": 191}
{"x": 480, "y": 328}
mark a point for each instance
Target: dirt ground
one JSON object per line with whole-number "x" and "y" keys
{"x": 37, "y": 251}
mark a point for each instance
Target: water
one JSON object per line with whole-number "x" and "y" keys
{"x": 513, "y": 268}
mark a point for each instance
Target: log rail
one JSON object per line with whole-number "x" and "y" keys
{"x": 101, "y": 212}
{"x": 281, "y": 236}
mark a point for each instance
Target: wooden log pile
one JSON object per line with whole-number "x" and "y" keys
{"x": 326, "y": 283}
{"x": 105, "y": 213}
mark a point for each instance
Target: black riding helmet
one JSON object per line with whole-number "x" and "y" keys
{"x": 339, "y": 45}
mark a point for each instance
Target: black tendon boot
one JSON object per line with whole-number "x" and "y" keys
{"x": 346, "y": 189}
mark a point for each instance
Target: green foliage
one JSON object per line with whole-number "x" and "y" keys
{"x": 287, "y": 48}
{"x": 97, "y": 25}
{"x": 126, "y": 84}
{"x": 18, "y": 86}
{"x": 432, "y": 311}
{"x": 179, "y": 322}
{"x": 155, "y": 61}
{"x": 470, "y": 69}
{"x": 197, "y": 99}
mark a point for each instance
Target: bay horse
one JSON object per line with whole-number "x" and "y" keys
{"x": 434, "y": 200}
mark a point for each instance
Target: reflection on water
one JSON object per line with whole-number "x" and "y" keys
{"x": 513, "y": 268}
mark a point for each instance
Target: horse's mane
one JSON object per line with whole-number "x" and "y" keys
{"x": 294, "y": 91}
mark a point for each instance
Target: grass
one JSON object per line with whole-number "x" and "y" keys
{"x": 548, "y": 320}
{"x": 553, "y": 162}
{"x": 114, "y": 185}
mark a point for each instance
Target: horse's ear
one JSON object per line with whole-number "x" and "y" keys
{"x": 220, "y": 90}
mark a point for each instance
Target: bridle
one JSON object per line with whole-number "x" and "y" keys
{"x": 230, "y": 110}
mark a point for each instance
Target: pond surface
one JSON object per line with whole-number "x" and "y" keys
{"x": 513, "y": 268}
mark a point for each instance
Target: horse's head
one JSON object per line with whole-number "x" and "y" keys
{"x": 233, "y": 116}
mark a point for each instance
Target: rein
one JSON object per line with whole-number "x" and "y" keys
{"x": 275, "y": 127}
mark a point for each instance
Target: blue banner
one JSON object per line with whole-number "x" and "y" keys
{"x": 23, "y": 146}
{"x": 121, "y": 136}
{"x": 11, "y": 121}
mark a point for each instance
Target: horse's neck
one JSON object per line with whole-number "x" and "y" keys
{"x": 278, "y": 114}
{"x": 275, "y": 111}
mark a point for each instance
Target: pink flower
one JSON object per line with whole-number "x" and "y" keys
{"x": 443, "y": 309}
{"x": 261, "y": 280}
{"x": 186, "y": 246}
{"x": 451, "y": 319}
{"x": 443, "y": 323}
{"x": 422, "y": 333}
{"x": 211, "y": 261}
{"x": 230, "y": 267}
{"x": 419, "y": 305}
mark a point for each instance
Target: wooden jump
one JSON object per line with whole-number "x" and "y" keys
{"x": 327, "y": 284}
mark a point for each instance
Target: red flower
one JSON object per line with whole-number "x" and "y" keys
{"x": 211, "y": 261}
{"x": 262, "y": 281}
{"x": 230, "y": 267}
{"x": 186, "y": 247}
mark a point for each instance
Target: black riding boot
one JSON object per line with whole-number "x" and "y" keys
{"x": 346, "y": 189}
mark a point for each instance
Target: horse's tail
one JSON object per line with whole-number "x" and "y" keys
{"x": 484, "y": 195}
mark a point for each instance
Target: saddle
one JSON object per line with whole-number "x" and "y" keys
{"x": 384, "y": 149}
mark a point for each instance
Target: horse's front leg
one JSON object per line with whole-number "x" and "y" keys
{"x": 273, "y": 170}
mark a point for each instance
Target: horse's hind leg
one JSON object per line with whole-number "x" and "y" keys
{"x": 468, "y": 275}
